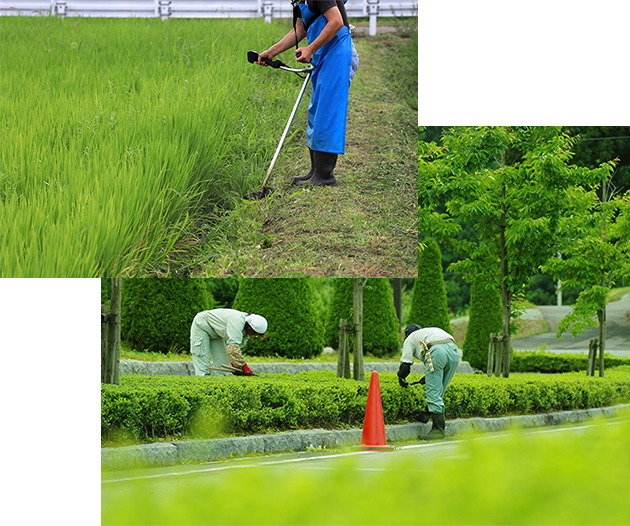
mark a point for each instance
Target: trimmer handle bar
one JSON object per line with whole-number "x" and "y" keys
{"x": 252, "y": 58}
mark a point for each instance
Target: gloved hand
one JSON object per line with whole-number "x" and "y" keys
{"x": 246, "y": 370}
{"x": 403, "y": 372}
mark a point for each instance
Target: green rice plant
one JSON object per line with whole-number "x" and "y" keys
{"x": 118, "y": 134}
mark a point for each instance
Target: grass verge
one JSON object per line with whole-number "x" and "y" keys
{"x": 366, "y": 226}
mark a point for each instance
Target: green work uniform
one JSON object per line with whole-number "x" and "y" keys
{"x": 445, "y": 358}
{"x": 210, "y": 334}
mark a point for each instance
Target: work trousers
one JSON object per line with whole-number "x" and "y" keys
{"x": 445, "y": 357}
{"x": 207, "y": 348}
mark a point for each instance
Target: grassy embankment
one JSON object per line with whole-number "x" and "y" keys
{"x": 366, "y": 226}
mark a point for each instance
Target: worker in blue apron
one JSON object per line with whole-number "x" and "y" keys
{"x": 332, "y": 54}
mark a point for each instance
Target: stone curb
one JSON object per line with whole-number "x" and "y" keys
{"x": 172, "y": 453}
{"x": 186, "y": 368}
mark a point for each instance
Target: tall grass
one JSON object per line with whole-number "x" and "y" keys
{"x": 118, "y": 133}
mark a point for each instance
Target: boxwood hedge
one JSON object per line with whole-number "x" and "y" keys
{"x": 150, "y": 407}
{"x": 547, "y": 362}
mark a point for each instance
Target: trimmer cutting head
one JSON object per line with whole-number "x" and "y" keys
{"x": 257, "y": 196}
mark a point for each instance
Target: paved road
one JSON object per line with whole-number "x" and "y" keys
{"x": 617, "y": 328}
{"x": 306, "y": 469}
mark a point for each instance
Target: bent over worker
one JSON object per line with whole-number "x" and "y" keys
{"x": 332, "y": 53}
{"x": 438, "y": 351}
{"x": 217, "y": 337}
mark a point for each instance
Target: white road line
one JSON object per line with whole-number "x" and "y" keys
{"x": 356, "y": 453}
{"x": 224, "y": 468}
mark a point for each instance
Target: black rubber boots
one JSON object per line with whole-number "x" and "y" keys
{"x": 321, "y": 174}
{"x": 439, "y": 426}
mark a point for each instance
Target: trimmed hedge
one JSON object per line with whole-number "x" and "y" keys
{"x": 546, "y": 362}
{"x": 148, "y": 407}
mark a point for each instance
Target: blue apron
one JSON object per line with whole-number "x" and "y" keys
{"x": 330, "y": 82}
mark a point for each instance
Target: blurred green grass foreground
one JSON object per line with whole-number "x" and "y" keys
{"x": 560, "y": 475}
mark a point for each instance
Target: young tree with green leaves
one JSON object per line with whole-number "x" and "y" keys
{"x": 595, "y": 251}
{"x": 514, "y": 183}
{"x": 429, "y": 307}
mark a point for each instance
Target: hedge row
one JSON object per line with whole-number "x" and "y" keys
{"x": 546, "y": 362}
{"x": 149, "y": 407}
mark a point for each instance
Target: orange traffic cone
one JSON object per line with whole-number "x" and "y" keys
{"x": 374, "y": 423}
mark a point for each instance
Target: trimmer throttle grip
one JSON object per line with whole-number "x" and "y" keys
{"x": 252, "y": 57}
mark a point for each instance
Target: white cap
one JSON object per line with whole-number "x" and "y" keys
{"x": 257, "y": 322}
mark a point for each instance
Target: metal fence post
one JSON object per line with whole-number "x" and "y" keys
{"x": 164, "y": 9}
{"x": 373, "y": 10}
{"x": 267, "y": 11}
{"x": 60, "y": 8}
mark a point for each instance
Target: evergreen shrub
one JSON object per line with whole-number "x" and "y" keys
{"x": 429, "y": 307}
{"x": 381, "y": 335}
{"x": 485, "y": 317}
{"x": 294, "y": 330}
{"x": 156, "y": 314}
{"x": 548, "y": 362}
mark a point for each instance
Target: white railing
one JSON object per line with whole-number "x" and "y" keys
{"x": 195, "y": 8}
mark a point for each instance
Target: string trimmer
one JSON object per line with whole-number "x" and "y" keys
{"x": 252, "y": 57}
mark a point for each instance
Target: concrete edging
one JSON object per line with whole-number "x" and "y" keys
{"x": 186, "y": 368}
{"x": 172, "y": 453}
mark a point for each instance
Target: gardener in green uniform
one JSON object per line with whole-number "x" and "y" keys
{"x": 217, "y": 336}
{"x": 438, "y": 351}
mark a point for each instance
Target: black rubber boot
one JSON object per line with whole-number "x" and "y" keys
{"x": 298, "y": 178}
{"x": 438, "y": 429}
{"x": 425, "y": 416}
{"x": 323, "y": 174}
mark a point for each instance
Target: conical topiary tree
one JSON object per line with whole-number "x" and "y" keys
{"x": 485, "y": 317}
{"x": 156, "y": 314}
{"x": 381, "y": 336}
{"x": 289, "y": 305}
{"x": 428, "y": 305}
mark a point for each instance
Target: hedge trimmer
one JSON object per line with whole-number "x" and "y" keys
{"x": 229, "y": 369}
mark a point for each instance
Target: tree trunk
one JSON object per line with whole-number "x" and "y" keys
{"x": 104, "y": 339}
{"x": 601, "y": 314}
{"x": 343, "y": 359}
{"x": 601, "y": 317}
{"x": 112, "y": 359}
{"x": 357, "y": 320}
{"x": 506, "y": 298}
{"x": 398, "y": 300}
